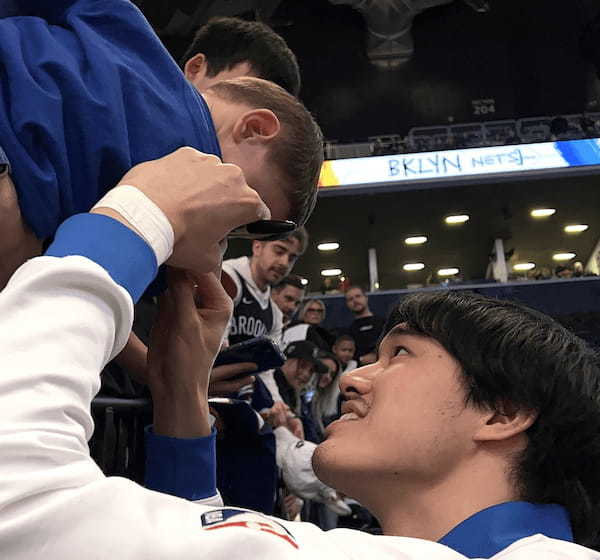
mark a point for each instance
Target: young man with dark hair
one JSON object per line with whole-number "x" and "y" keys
{"x": 366, "y": 328}
{"x": 106, "y": 95}
{"x": 249, "y": 279}
{"x": 288, "y": 295}
{"x": 478, "y": 426}
{"x": 228, "y": 47}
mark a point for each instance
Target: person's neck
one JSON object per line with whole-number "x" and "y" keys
{"x": 431, "y": 512}
{"x": 366, "y": 312}
{"x": 260, "y": 282}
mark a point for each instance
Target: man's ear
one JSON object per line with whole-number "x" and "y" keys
{"x": 256, "y": 126}
{"x": 256, "y": 247}
{"x": 195, "y": 68}
{"x": 506, "y": 422}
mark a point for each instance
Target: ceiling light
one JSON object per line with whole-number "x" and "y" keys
{"x": 448, "y": 271}
{"x": 524, "y": 266}
{"x": 416, "y": 240}
{"x": 457, "y": 219}
{"x": 542, "y": 212}
{"x": 328, "y": 246}
{"x": 576, "y": 228}
{"x": 413, "y": 266}
{"x": 304, "y": 281}
{"x": 331, "y": 272}
{"x": 563, "y": 256}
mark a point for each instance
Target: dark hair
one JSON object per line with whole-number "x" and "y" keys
{"x": 301, "y": 235}
{"x": 344, "y": 338}
{"x": 228, "y": 41}
{"x": 289, "y": 280}
{"x": 512, "y": 354}
{"x": 298, "y": 151}
{"x": 325, "y": 355}
{"x": 355, "y": 287}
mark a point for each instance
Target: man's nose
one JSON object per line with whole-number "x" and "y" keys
{"x": 358, "y": 382}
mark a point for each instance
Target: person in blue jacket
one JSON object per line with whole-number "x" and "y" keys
{"x": 88, "y": 91}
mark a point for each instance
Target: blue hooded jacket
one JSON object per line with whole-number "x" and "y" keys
{"x": 87, "y": 91}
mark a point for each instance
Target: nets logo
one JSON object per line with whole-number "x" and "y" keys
{"x": 229, "y": 518}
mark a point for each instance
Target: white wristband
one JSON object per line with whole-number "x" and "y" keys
{"x": 144, "y": 215}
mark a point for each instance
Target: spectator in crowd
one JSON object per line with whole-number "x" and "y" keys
{"x": 308, "y": 326}
{"x": 228, "y": 47}
{"x": 477, "y": 427}
{"x": 130, "y": 79}
{"x": 287, "y": 295}
{"x": 366, "y": 328}
{"x": 286, "y": 384}
{"x": 344, "y": 349}
{"x": 326, "y": 399}
{"x": 249, "y": 279}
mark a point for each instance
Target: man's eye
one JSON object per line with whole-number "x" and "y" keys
{"x": 399, "y": 351}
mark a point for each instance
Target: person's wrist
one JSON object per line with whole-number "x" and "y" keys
{"x": 181, "y": 412}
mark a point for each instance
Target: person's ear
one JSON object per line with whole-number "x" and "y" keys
{"x": 256, "y": 247}
{"x": 505, "y": 422}
{"x": 195, "y": 68}
{"x": 256, "y": 126}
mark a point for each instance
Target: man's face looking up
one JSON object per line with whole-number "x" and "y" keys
{"x": 356, "y": 300}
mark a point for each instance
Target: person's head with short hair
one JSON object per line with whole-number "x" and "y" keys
{"x": 302, "y": 362}
{"x": 344, "y": 348}
{"x": 287, "y": 295}
{"x": 357, "y": 301}
{"x": 272, "y": 137}
{"x": 473, "y": 402}
{"x": 271, "y": 261}
{"x": 229, "y": 47}
{"x": 313, "y": 312}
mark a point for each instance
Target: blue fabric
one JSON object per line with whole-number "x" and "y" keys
{"x": 493, "y": 529}
{"x": 86, "y": 94}
{"x": 122, "y": 253}
{"x": 181, "y": 467}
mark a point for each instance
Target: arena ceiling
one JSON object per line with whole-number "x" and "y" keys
{"x": 522, "y": 59}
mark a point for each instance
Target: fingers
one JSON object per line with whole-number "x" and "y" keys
{"x": 224, "y": 388}
{"x": 220, "y": 373}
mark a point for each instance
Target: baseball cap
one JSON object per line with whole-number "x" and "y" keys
{"x": 306, "y": 350}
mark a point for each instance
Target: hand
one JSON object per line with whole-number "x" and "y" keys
{"x": 184, "y": 342}
{"x": 220, "y": 385}
{"x": 295, "y": 426}
{"x": 202, "y": 198}
{"x": 277, "y": 415}
{"x": 292, "y": 506}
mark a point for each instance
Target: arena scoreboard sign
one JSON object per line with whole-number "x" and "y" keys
{"x": 454, "y": 164}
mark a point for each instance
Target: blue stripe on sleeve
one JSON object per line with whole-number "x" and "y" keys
{"x": 128, "y": 259}
{"x": 183, "y": 467}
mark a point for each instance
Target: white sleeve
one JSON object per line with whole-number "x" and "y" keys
{"x": 61, "y": 320}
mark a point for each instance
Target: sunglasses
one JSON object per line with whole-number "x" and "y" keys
{"x": 315, "y": 309}
{"x": 263, "y": 230}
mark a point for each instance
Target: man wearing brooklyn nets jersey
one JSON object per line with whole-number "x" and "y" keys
{"x": 250, "y": 280}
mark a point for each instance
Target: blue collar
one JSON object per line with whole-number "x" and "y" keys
{"x": 493, "y": 529}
